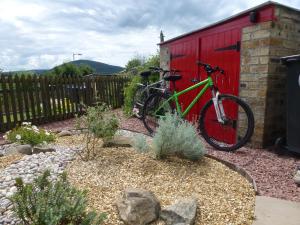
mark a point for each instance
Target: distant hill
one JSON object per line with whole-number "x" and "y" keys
{"x": 98, "y": 67}
{"x": 38, "y": 71}
{"x": 101, "y": 68}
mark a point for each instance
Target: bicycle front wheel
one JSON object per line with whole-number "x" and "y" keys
{"x": 156, "y": 107}
{"x": 237, "y": 126}
{"x": 139, "y": 100}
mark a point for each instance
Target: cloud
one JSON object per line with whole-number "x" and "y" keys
{"x": 44, "y": 33}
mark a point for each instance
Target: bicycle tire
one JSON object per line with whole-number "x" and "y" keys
{"x": 139, "y": 101}
{"x": 241, "y": 141}
{"x": 152, "y": 103}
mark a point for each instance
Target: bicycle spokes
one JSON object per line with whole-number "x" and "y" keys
{"x": 232, "y": 127}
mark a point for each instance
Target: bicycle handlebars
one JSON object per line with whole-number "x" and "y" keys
{"x": 209, "y": 69}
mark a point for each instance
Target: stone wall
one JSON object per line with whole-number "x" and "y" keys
{"x": 262, "y": 77}
{"x": 164, "y": 57}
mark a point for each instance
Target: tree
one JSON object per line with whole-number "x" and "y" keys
{"x": 130, "y": 89}
{"x": 69, "y": 69}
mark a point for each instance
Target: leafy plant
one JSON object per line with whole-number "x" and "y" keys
{"x": 99, "y": 122}
{"x": 52, "y": 203}
{"x": 140, "y": 144}
{"x": 134, "y": 67}
{"x": 174, "y": 136}
{"x": 29, "y": 134}
{"x": 129, "y": 92}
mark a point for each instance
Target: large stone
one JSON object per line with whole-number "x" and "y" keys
{"x": 22, "y": 149}
{"x": 118, "y": 141}
{"x": 138, "y": 207}
{"x": 37, "y": 150}
{"x": 64, "y": 133}
{"x": 297, "y": 177}
{"x": 183, "y": 212}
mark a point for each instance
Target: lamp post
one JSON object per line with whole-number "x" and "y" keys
{"x": 75, "y": 54}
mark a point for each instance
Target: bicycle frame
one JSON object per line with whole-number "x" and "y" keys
{"x": 148, "y": 86}
{"x": 207, "y": 83}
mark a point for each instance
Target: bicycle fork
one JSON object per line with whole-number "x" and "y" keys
{"x": 218, "y": 106}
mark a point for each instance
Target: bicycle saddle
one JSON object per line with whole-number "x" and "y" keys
{"x": 145, "y": 73}
{"x": 172, "y": 77}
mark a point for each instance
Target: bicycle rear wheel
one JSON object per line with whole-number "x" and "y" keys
{"x": 237, "y": 128}
{"x": 155, "y": 107}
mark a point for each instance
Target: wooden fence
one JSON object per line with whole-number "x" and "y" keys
{"x": 42, "y": 99}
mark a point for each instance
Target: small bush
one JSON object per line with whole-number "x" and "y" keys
{"x": 29, "y": 134}
{"x": 129, "y": 92}
{"x": 174, "y": 136}
{"x": 140, "y": 144}
{"x": 100, "y": 122}
{"x": 57, "y": 203}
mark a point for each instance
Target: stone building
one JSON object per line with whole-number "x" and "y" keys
{"x": 248, "y": 46}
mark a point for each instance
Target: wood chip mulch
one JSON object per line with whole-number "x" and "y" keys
{"x": 224, "y": 196}
{"x": 9, "y": 159}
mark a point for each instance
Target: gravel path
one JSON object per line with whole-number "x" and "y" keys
{"x": 28, "y": 168}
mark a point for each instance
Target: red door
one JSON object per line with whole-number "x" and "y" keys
{"x": 183, "y": 58}
{"x": 223, "y": 50}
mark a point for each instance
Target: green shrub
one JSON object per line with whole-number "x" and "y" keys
{"x": 129, "y": 92}
{"x": 140, "y": 144}
{"x": 174, "y": 136}
{"x": 52, "y": 203}
{"x": 29, "y": 134}
{"x": 100, "y": 122}
{"x": 134, "y": 67}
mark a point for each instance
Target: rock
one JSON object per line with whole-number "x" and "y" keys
{"x": 37, "y": 150}
{"x": 118, "y": 141}
{"x": 22, "y": 149}
{"x": 183, "y": 212}
{"x": 64, "y": 133}
{"x": 1, "y": 154}
{"x": 297, "y": 177}
{"x": 138, "y": 207}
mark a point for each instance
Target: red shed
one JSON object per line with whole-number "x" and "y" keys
{"x": 246, "y": 46}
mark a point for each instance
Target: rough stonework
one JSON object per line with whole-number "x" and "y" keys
{"x": 182, "y": 212}
{"x": 262, "y": 77}
{"x": 138, "y": 207}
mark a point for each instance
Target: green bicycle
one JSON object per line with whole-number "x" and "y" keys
{"x": 226, "y": 122}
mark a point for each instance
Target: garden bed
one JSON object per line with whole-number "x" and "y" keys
{"x": 7, "y": 160}
{"x": 224, "y": 196}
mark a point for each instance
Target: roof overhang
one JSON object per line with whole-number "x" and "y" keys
{"x": 268, "y": 3}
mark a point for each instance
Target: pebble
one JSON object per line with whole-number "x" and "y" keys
{"x": 29, "y": 167}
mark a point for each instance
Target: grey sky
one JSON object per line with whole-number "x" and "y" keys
{"x": 44, "y": 33}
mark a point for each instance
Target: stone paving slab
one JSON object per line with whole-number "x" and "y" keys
{"x": 273, "y": 211}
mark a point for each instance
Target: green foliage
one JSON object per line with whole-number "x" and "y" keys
{"x": 100, "y": 122}
{"x": 134, "y": 67}
{"x": 133, "y": 64}
{"x": 140, "y": 143}
{"x": 29, "y": 134}
{"x": 69, "y": 69}
{"x": 174, "y": 136}
{"x": 52, "y": 203}
{"x": 129, "y": 92}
